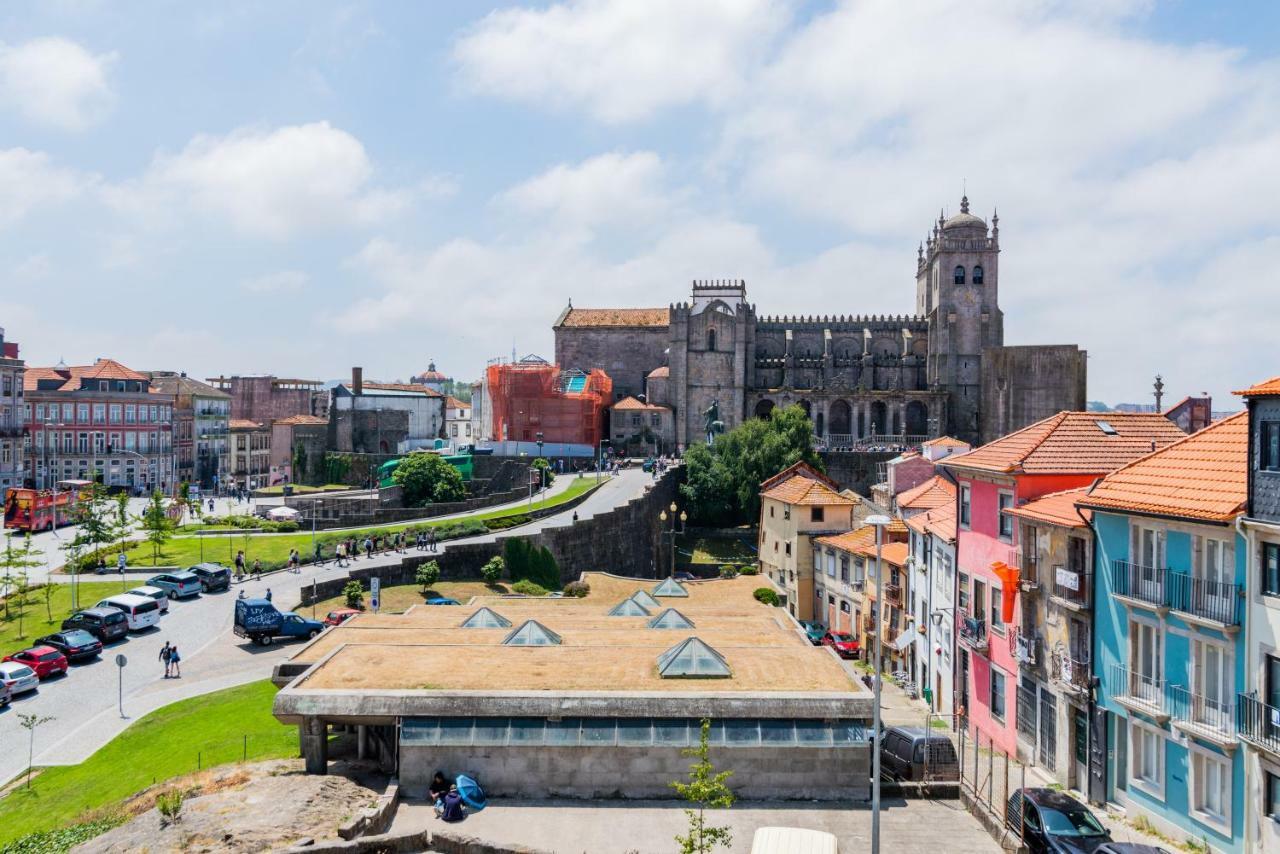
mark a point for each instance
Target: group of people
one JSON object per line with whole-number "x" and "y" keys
{"x": 240, "y": 566}
{"x": 447, "y": 798}
{"x": 172, "y": 661}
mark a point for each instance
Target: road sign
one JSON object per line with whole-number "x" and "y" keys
{"x": 375, "y": 588}
{"x": 121, "y": 661}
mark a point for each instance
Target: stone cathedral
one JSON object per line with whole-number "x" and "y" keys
{"x": 942, "y": 370}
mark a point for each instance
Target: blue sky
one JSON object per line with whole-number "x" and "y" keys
{"x": 299, "y": 187}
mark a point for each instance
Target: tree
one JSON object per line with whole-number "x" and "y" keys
{"x": 29, "y": 723}
{"x": 706, "y": 789}
{"x": 722, "y": 481}
{"x": 157, "y": 524}
{"x": 354, "y": 594}
{"x": 94, "y": 519}
{"x": 492, "y": 571}
{"x": 427, "y": 574}
{"x": 15, "y": 562}
{"x": 546, "y": 473}
{"x": 428, "y": 479}
{"x": 299, "y": 462}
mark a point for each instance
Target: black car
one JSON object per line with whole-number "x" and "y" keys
{"x": 1129, "y": 848}
{"x": 1051, "y": 822}
{"x": 105, "y": 624}
{"x": 212, "y": 576}
{"x": 75, "y": 644}
{"x": 914, "y": 753}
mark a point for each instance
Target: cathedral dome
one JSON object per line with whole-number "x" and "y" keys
{"x": 964, "y": 219}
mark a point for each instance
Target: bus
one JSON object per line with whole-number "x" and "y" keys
{"x": 43, "y": 509}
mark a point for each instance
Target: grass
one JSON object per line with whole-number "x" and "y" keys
{"x": 299, "y": 489}
{"x": 716, "y": 550}
{"x": 273, "y": 549}
{"x": 398, "y": 599}
{"x": 171, "y": 741}
{"x": 35, "y": 622}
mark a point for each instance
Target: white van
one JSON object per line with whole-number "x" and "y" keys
{"x": 139, "y": 611}
{"x": 148, "y": 592}
{"x": 792, "y": 840}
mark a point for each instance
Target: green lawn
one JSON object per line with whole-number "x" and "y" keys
{"x": 273, "y": 549}
{"x": 299, "y": 489}
{"x": 715, "y": 550}
{"x": 399, "y": 598}
{"x": 35, "y": 621}
{"x": 175, "y": 740}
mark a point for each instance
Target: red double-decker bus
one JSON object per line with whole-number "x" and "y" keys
{"x": 43, "y": 509}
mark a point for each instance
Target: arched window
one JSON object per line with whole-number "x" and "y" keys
{"x": 977, "y": 274}
{"x": 958, "y": 275}
{"x": 711, "y": 339}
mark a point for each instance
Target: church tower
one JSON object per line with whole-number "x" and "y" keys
{"x": 957, "y": 289}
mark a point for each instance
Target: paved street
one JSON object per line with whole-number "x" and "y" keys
{"x": 84, "y": 704}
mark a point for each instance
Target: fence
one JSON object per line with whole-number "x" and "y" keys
{"x": 988, "y": 778}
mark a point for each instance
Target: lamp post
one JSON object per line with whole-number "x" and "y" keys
{"x": 880, "y": 522}
{"x": 673, "y": 530}
{"x": 600, "y": 459}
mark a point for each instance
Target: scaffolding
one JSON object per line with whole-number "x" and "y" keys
{"x": 533, "y": 397}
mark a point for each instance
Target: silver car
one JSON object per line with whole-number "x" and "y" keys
{"x": 5, "y": 695}
{"x": 18, "y": 678}
{"x": 149, "y": 592}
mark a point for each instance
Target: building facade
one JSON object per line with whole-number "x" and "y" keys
{"x": 250, "y": 449}
{"x": 639, "y": 427}
{"x": 920, "y": 375}
{"x": 457, "y": 422}
{"x": 266, "y": 398}
{"x": 933, "y": 583}
{"x": 423, "y": 408}
{"x": 298, "y": 444}
{"x": 13, "y": 471}
{"x": 201, "y": 432}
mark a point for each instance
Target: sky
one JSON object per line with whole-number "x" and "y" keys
{"x": 297, "y": 187}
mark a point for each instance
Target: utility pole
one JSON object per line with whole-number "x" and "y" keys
{"x": 880, "y": 522}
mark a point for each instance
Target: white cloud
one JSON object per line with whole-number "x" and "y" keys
{"x": 285, "y": 281}
{"x": 609, "y": 188}
{"x": 618, "y": 59}
{"x": 28, "y": 180}
{"x": 56, "y": 83}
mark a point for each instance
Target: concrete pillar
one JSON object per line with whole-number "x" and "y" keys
{"x": 314, "y": 735}
{"x": 361, "y": 740}
{"x": 902, "y": 417}
{"x": 866, "y": 418}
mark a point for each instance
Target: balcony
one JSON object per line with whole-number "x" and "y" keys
{"x": 1141, "y": 586}
{"x": 1207, "y": 718}
{"x": 1212, "y": 603}
{"x": 1138, "y": 692}
{"x": 1026, "y": 650}
{"x": 1028, "y": 571}
{"x": 1072, "y": 674}
{"x": 868, "y": 623}
{"x": 1072, "y": 588}
{"x": 973, "y": 634}
{"x": 893, "y": 594}
{"x": 1258, "y": 723}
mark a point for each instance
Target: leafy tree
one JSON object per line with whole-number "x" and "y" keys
{"x": 492, "y": 571}
{"x": 354, "y": 594}
{"x": 706, "y": 789}
{"x": 723, "y": 480}
{"x": 545, "y": 471}
{"x": 157, "y": 524}
{"x": 299, "y": 462}
{"x": 427, "y": 574}
{"x": 30, "y": 723}
{"x": 15, "y": 562}
{"x": 428, "y": 479}
{"x": 94, "y": 518}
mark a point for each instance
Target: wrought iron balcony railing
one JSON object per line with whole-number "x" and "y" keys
{"x": 1073, "y": 587}
{"x": 1258, "y": 723}
{"x": 1073, "y": 673}
{"x": 1148, "y": 584}
{"x": 973, "y": 633}
{"x": 1144, "y": 691}
{"x": 1217, "y": 601}
{"x": 1210, "y": 716}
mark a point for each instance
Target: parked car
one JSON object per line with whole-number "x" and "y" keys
{"x": 440, "y": 600}
{"x": 18, "y": 678}
{"x": 178, "y": 585}
{"x": 813, "y": 630}
{"x": 914, "y": 753}
{"x": 845, "y": 645}
{"x": 44, "y": 660}
{"x": 6, "y": 695}
{"x": 1051, "y": 822}
{"x": 76, "y": 644}
{"x": 1129, "y": 848}
{"x": 105, "y": 624}
{"x": 259, "y": 621}
{"x": 140, "y": 613}
{"x": 212, "y": 576}
{"x": 340, "y": 616}
{"x": 148, "y": 592}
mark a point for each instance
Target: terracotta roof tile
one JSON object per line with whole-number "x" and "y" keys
{"x": 941, "y": 522}
{"x": 1072, "y": 443}
{"x": 851, "y": 541}
{"x": 660, "y": 373}
{"x": 1056, "y": 508}
{"x": 1266, "y": 388}
{"x": 937, "y": 491}
{"x": 944, "y": 442}
{"x": 413, "y": 388}
{"x": 630, "y": 403}
{"x": 1205, "y": 476}
{"x": 103, "y": 369}
{"x": 802, "y": 489}
{"x": 294, "y": 420}
{"x": 585, "y": 317}
{"x": 453, "y": 403}
{"x": 244, "y": 424}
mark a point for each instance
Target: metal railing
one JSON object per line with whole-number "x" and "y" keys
{"x": 1072, "y": 586}
{"x": 1218, "y": 601}
{"x": 973, "y": 632}
{"x": 1026, "y": 649}
{"x": 893, "y": 593}
{"x": 1139, "y": 688}
{"x": 1145, "y": 583}
{"x": 1258, "y": 723}
{"x": 1071, "y": 672}
{"x": 1204, "y": 713}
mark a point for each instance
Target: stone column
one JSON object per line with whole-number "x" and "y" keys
{"x": 902, "y": 417}
{"x": 362, "y": 736}
{"x": 314, "y": 738}
{"x": 866, "y": 420}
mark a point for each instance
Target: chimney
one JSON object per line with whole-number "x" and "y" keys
{"x": 357, "y": 381}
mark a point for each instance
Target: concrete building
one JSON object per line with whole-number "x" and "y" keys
{"x": 13, "y": 416}
{"x": 202, "y": 415}
{"x": 863, "y": 379}
{"x": 932, "y": 600}
{"x": 298, "y": 444}
{"x": 250, "y": 454}
{"x": 557, "y": 698}
{"x": 797, "y": 505}
{"x": 424, "y": 408}
{"x": 265, "y": 398}
{"x": 457, "y": 422}
{"x": 642, "y": 428}
{"x": 101, "y": 421}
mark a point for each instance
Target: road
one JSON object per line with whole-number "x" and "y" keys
{"x": 83, "y": 704}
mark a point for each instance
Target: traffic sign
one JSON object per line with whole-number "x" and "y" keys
{"x": 121, "y": 661}
{"x": 375, "y": 587}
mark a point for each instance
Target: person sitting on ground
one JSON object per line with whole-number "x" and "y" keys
{"x": 453, "y": 809}
{"x": 439, "y": 788}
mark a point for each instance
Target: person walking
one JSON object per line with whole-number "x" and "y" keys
{"x": 431, "y": 538}
{"x": 240, "y": 565}
{"x": 121, "y": 562}
{"x": 257, "y": 569}
{"x": 166, "y": 652}
{"x": 337, "y": 552}
{"x": 174, "y": 658}
{"x": 368, "y": 548}
{"x": 319, "y": 555}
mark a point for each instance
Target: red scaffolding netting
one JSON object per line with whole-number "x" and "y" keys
{"x": 531, "y": 397}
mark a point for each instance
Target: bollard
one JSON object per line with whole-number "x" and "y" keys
{"x": 199, "y": 761}
{"x": 245, "y": 755}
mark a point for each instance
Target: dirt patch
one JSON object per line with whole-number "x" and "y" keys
{"x": 241, "y": 809}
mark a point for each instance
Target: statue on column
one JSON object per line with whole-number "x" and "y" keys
{"x": 712, "y": 422}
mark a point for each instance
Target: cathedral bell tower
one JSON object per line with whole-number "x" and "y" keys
{"x": 957, "y": 288}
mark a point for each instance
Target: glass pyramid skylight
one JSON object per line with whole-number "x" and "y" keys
{"x": 692, "y": 659}
{"x": 670, "y": 587}
{"x": 486, "y": 618}
{"x": 671, "y": 619}
{"x": 628, "y": 608}
{"x": 531, "y": 633}
{"x": 646, "y": 599}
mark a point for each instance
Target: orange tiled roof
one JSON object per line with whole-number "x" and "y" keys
{"x": 894, "y": 553}
{"x": 103, "y": 369}
{"x": 798, "y": 467}
{"x": 851, "y": 541}
{"x": 1072, "y": 443}
{"x": 300, "y": 420}
{"x": 630, "y": 403}
{"x": 941, "y": 522}
{"x": 452, "y": 402}
{"x": 660, "y": 373}
{"x": 1056, "y": 508}
{"x": 937, "y": 491}
{"x": 944, "y": 442}
{"x": 1266, "y": 388}
{"x": 802, "y": 489}
{"x": 243, "y": 424}
{"x": 1205, "y": 476}
{"x": 576, "y": 317}
{"x": 410, "y": 387}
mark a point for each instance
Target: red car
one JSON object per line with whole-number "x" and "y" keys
{"x": 340, "y": 616}
{"x": 844, "y": 644}
{"x": 44, "y": 660}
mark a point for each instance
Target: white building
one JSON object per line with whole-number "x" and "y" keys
{"x": 457, "y": 422}
{"x": 424, "y": 406}
{"x": 933, "y": 583}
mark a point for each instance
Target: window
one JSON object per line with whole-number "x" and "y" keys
{"x": 655, "y": 420}
{"x": 711, "y": 339}
{"x": 957, "y": 276}
{"x": 130, "y": 414}
{"x": 1003, "y": 503}
{"x": 831, "y": 564}
{"x": 770, "y": 511}
{"x": 997, "y": 607}
{"x": 979, "y": 598}
{"x": 964, "y": 592}
{"x": 786, "y": 512}
{"x": 39, "y": 411}
{"x": 99, "y": 413}
{"x": 1210, "y": 787}
{"x": 1146, "y": 757}
{"x": 1272, "y": 795}
{"x": 964, "y": 505}
{"x": 844, "y": 569}
{"x": 977, "y": 274}
{"x": 815, "y": 514}
{"x": 1269, "y": 446}
{"x": 453, "y": 430}
{"x": 997, "y": 694}
{"x": 1271, "y": 569}
{"x": 788, "y": 548}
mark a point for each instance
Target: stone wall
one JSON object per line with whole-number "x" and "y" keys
{"x": 368, "y": 431}
{"x": 856, "y": 470}
{"x": 1021, "y": 385}
{"x": 626, "y": 354}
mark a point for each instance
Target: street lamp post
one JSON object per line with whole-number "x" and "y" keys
{"x": 879, "y": 522}
{"x": 600, "y": 459}
{"x": 673, "y": 531}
